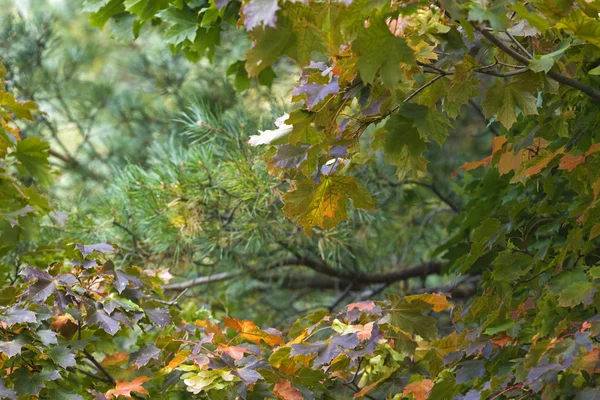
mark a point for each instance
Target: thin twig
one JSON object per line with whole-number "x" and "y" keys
{"x": 519, "y": 45}
{"x": 99, "y": 366}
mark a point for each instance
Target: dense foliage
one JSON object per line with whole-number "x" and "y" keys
{"x": 379, "y": 83}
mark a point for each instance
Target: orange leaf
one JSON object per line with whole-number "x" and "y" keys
{"x": 178, "y": 359}
{"x": 365, "y": 332}
{"x": 285, "y": 391}
{"x": 541, "y": 162}
{"x": 115, "y": 360}
{"x": 502, "y": 340}
{"x": 234, "y": 351}
{"x": 125, "y": 388}
{"x": 362, "y": 306}
{"x": 472, "y": 165}
{"x": 439, "y": 301}
{"x": 419, "y": 390}
{"x": 569, "y": 162}
{"x": 248, "y": 330}
{"x": 66, "y": 325}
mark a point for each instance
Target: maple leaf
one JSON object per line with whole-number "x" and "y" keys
{"x": 179, "y": 358}
{"x": 115, "y": 359}
{"x": 326, "y": 204}
{"x": 438, "y": 301}
{"x": 259, "y": 12}
{"x": 380, "y": 50}
{"x": 285, "y": 391}
{"x": 145, "y": 354}
{"x": 125, "y": 388}
{"x": 182, "y": 25}
{"x": 315, "y": 93}
{"x": 502, "y": 100}
{"x": 419, "y": 390}
{"x": 402, "y": 144}
{"x": 248, "y": 330}
{"x": 236, "y": 352}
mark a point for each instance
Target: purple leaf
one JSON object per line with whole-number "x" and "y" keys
{"x": 47, "y": 337}
{"x": 259, "y": 12}
{"x": 159, "y": 316}
{"x": 17, "y": 315}
{"x": 67, "y": 279}
{"x": 100, "y": 317}
{"x": 36, "y": 273}
{"x": 59, "y": 217}
{"x": 373, "y": 108}
{"x": 248, "y": 375}
{"x": 12, "y": 217}
{"x": 338, "y": 151}
{"x": 41, "y": 290}
{"x": 122, "y": 319}
{"x": 87, "y": 264}
{"x": 221, "y": 3}
{"x": 86, "y": 250}
{"x": 470, "y": 369}
{"x": 6, "y": 393}
{"x": 145, "y": 354}
{"x": 315, "y": 93}
{"x": 537, "y": 372}
{"x": 11, "y": 348}
{"x": 289, "y": 156}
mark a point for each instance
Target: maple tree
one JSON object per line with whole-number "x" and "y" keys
{"x": 378, "y": 80}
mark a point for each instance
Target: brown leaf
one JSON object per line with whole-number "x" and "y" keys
{"x": 125, "y": 388}
{"x": 236, "y": 352}
{"x": 419, "y": 390}
{"x": 115, "y": 360}
{"x": 285, "y": 391}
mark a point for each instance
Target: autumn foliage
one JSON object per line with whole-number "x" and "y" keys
{"x": 378, "y": 80}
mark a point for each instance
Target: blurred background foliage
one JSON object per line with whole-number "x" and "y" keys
{"x": 149, "y": 152}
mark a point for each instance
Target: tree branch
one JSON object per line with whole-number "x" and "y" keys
{"x": 341, "y": 278}
{"x": 565, "y": 80}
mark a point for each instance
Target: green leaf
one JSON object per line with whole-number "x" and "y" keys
{"x": 495, "y": 15}
{"x": 509, "y": 266}
{"x": 582, "y": 26}
{"x": 62, "y": 356}
{"x": 577, "y": 293}
{"x": 33, "y": 154}
{"x": 181, "y": 25}
{"x": 103, "y": 10}
{"x": 429, "y": 121}
{"x": 546, "y": 62}
{"x": 146, "y": 9}
{"x": 502, "y": 100}
{"x": 402, "y": 144}
{"x": 269, "y": 45}
{"x": 380, "y": 50}
{"x": 409, "y": 317}
{"x": 595, "y": 71}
